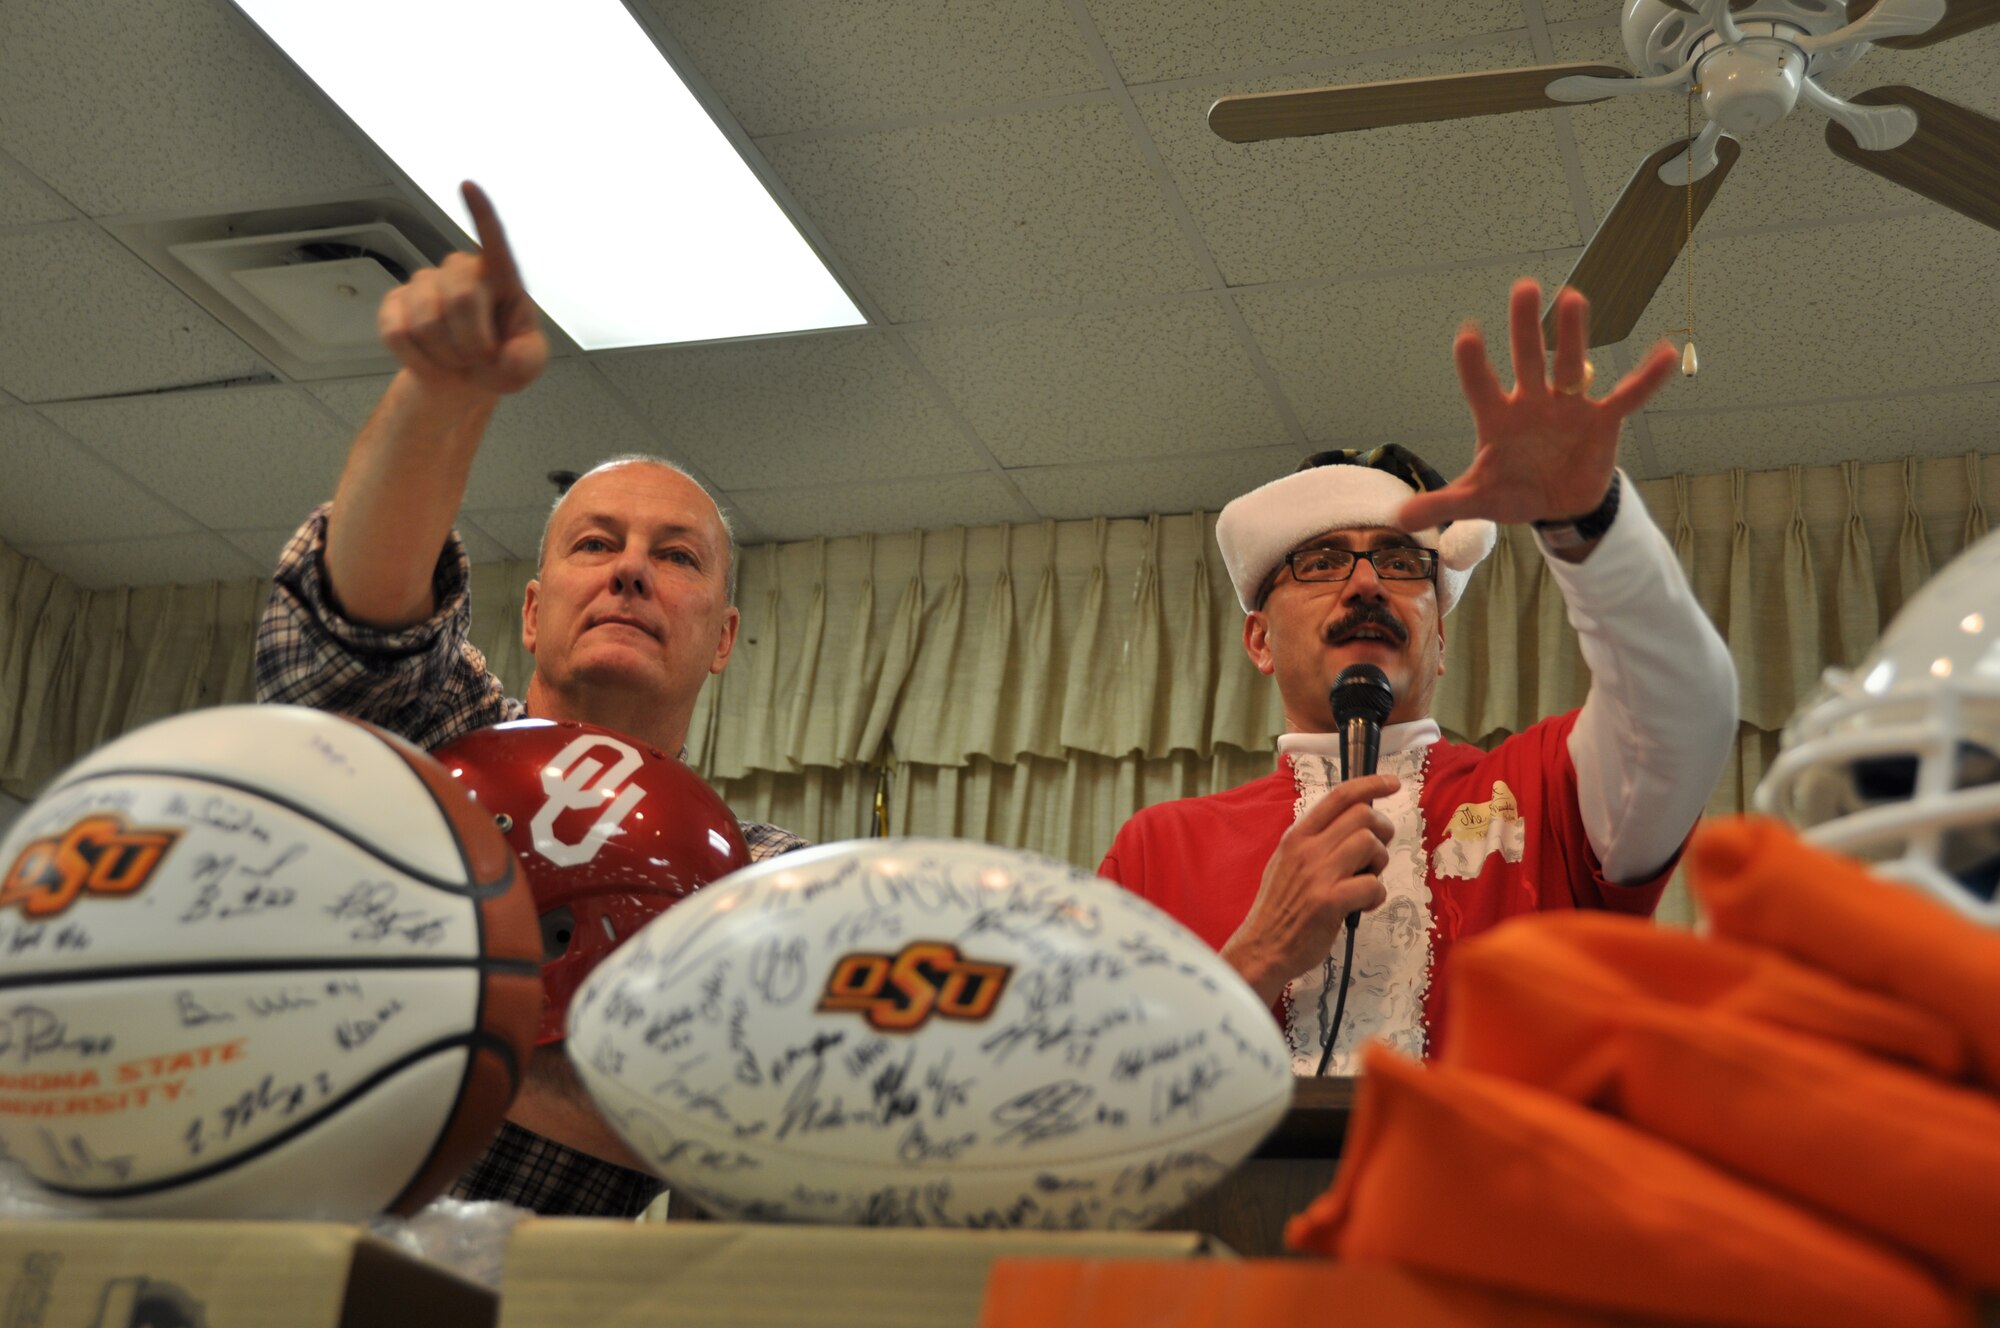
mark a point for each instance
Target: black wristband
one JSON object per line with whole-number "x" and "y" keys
{"x": 1569, "y": 532}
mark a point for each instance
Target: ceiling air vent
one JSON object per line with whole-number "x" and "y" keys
{"x": 301, "y": 285}
{"x": 315, "y": 291}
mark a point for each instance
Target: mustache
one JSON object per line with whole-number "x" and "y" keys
{"x": 1368, "y": 615}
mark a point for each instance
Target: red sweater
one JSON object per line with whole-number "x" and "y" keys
{"x": 1202, "y": 859}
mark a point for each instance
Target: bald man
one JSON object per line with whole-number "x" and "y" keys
{"x": 631, "y": 609}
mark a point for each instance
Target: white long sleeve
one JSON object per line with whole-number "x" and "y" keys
{"x": 1658, "y": 723}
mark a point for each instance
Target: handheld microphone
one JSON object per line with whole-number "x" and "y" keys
{"x": 1362, "y": 699}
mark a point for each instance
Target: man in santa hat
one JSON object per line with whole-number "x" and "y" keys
{"x": 1357, "y": 558}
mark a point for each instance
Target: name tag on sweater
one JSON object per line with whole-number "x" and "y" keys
{"x": 1477, "y": 831}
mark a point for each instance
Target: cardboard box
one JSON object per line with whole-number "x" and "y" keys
{"x": 575, "y": 1273}
{"x": 223, "y": 1275}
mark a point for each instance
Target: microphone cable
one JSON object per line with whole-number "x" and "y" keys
{"x": 1340, "y": 1001}
{"x": 1361, "y": 700}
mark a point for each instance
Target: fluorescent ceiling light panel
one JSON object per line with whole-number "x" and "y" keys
{"x": 635, "y": 221}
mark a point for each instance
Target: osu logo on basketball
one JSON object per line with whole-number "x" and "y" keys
{"x": 900, "y": 992}
{"x": 102, "y": 853}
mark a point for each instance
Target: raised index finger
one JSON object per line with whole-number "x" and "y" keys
{"x": 500, "y": 267}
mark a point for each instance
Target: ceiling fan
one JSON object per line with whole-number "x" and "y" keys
{"x": 1752, "y": 61}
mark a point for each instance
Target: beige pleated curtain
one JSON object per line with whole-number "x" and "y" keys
{"x": 1035, "y": 685}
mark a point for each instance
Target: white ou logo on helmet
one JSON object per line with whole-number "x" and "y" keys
{"x": 573, "y": 783}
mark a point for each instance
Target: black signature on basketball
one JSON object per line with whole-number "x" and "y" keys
{"x": 371, "y": 907}
{"x": 28, "y": 1031}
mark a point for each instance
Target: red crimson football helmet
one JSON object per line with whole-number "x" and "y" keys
{"x": 609, "y": 831}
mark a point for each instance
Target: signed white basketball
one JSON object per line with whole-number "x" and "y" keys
{"x": 929, "y": 1032}
{"x": 259, "y": 962}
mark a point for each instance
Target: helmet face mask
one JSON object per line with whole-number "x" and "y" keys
{"x": 609, "y": 832}
{"x": 1898, "y": 763}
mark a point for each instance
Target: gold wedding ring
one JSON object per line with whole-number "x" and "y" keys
{"x": 1589, "y": 373}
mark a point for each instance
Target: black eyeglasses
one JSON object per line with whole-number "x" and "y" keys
{"x": 1393, "y": 563}
{"x": 1398, "y": 562}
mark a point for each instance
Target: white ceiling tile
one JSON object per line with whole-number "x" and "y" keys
{"x": 1405, "y": 196}
{"x": 55, "y": 491}
{"x": 1025, "y": 219}
{"x": 1937, "y": 424}
{"x": 481, "y": 547}
{"x": 1177, "y": 484}
{"x": 794, "y": 410}
{"x": 1581, "y": 11}
{"x": 25, "y": 200}
{"x": 86, "y": 318}
{"x": 352, "y": 399}
{"x": 127, "y": 108}
{"x": 1165, "y": 379}
{"x": 514, "y": 534}
{"x": 1884, "y": 306}
{"x": 568, "y": 420}
{"x": 1959, "y": 70}
{"x": 249, "y": 458}
{"x": 896, "y": 505}
{"x": 261, "y": 547}
{"x": 1054, "y": 208}
{"x": 1160, "y": 39}
{"x": 159, "y": 561}
{"x": 1371, "y": 360}
{"x": 782, "y": 65}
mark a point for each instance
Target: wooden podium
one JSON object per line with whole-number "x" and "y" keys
{"x": 1248, "y": 1210}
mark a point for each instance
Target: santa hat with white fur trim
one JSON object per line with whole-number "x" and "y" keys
{"x": 1342, "y": 490}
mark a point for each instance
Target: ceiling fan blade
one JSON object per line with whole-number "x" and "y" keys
{"x": 1960, "y": 17}
{"x": 1637, "y": 242}
{"x": 1255, "y": 117}
{"x": 1953, "y": 158}
{"x": 1884, "y": 19}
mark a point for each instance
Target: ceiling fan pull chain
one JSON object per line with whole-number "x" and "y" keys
{"x": 1690, "y": 362}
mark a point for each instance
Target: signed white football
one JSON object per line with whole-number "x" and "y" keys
{"x": 929, "y": 1032}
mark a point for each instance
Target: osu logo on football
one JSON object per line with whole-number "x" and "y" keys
{"x": 898, "y": 993}
{"x": 576, "y": 780}
{"x": 101, "y": 853}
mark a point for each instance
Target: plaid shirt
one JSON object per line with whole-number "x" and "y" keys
{"x": 529, "y": 1171}
{"x": 429, "y": 684}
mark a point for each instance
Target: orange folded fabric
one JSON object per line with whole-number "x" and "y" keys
{"x": 1909, "y": 1159}
{"x": 1473, "y": 1176}
{"x": 1258, "y": 1293}
{"x": 1611, "y": 961}
{"x": 1758, "y": 883}
{"x": 1905, "y": 1157}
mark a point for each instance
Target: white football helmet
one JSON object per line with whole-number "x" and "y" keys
{"x": 1898, "y": 762}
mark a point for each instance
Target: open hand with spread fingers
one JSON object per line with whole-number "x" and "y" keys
{"x": 1546, "y": 450}
{"x": 468, "y": 322}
